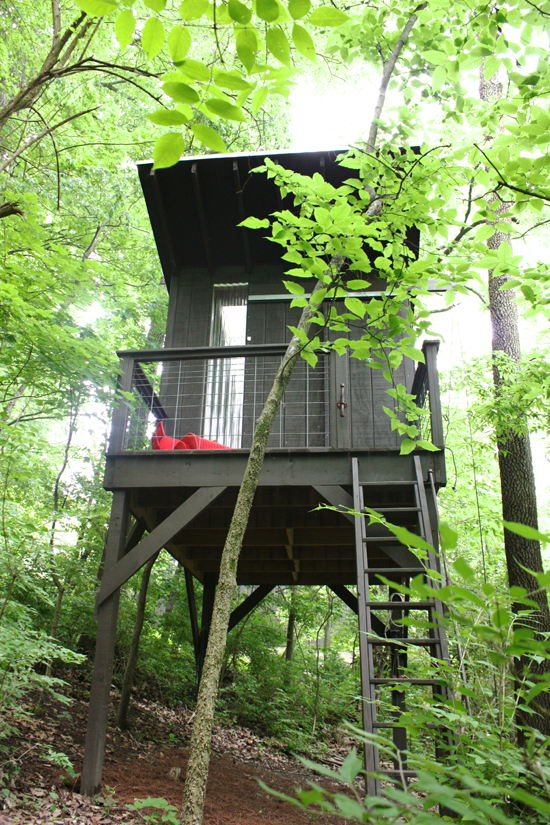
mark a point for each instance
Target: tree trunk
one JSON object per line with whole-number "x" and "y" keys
{"x": 517, "y": 479}
{"x": 126, "y": 692}
{"x": 199, "y": 753}
{"x": 289, "y": 649}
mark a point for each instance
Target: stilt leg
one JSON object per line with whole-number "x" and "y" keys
{"x": 94, "y": 750}
{"x": 189, "y": 586}
{"x": 209, "y": 592}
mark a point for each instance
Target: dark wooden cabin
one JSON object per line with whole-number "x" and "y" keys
{"x": 226, "y": 330}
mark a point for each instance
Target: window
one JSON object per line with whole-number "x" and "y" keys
{"x": 223, "y": 408}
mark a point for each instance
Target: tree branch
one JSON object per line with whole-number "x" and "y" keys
{"x": 42, "y": 134}
{"x": 388, "y": 71}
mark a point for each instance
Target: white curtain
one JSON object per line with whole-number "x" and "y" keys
{"x": 223, "y": 408}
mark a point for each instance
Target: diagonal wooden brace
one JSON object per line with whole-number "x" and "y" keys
{"x": 337, "y": 497}
{"x": 124, "y": 569}
{"x": 249, "y": 604}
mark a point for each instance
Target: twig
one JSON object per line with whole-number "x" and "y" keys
{"x": 33, "y": 109}
{"x": 43, "y": 134}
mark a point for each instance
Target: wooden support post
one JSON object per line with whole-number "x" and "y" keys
{"x": 430, "y": 349}
{"x": 208, "y": 594}
{"x": 94, "y": 750}
{"x": 120, "y": 413}
{"x": 190, "y": 587}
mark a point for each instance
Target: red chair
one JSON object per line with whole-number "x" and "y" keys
{"x": 161, "y": 441}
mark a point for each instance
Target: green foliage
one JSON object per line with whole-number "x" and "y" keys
{"x": 160, "y": 810}
{"x": 485, "y": 777}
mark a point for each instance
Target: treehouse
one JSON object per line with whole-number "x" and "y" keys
{"x": 184, "y": 425}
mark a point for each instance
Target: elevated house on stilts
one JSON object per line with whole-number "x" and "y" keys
{"x": 174, "y": 486}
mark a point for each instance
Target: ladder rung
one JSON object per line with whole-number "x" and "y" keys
{"x": 404, "y": 641}
{"x": 404, "y": 680}
{"x": 402, "y": 571}
{"x": 388, "y": 725}
{"x": 401, "y": 605}
{"x": 410, "y": 509}
{"x": 394, "y": 772}
{"x": 402, "y": 483}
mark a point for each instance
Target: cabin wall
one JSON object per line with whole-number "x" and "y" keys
{"x": 312, "y": 395}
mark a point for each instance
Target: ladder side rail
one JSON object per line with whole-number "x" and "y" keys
{"x": 368, "y": 707}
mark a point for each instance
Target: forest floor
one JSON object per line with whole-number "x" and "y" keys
{"x": 148, "y": 760}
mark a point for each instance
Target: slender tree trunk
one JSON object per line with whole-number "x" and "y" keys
{"x": 517, "y": 479}
{"x": 126, "y": 692}
{"x": 289, "y": 649}
{"x": 290, "y": 636}
{"x": 199, "y": 753}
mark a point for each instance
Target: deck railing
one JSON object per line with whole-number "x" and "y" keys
{"x": 217, "y": 393}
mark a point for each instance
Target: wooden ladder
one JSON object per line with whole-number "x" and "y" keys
{"x": 392, "y": 634}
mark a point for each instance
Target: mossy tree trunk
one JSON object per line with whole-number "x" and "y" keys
{"x": 199, "y": 755}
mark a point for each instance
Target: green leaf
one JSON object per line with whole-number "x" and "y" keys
{"x": 309, "y": 356}
{"x": 124, "y": 28}
{"x": 208, "y": 137}
{"x": 268, "y": 10}
{"x": 299, "y": 8}
{"x": 414, "y": 353}
{"x": 239, "y": 12}
{"x": 247, "y": 46}
{"x": 463, "y": 569}
{"x": 193, "y": 9}
{"x": 232, "y": 81}
{"x": 96, "y": 8}
{"x": 179, "y": 43}
{"x": 222, "y": 108}
{"x": 449, "y": 537}
{"x": 195, "y": 70}
{"x": 277, "y": 44}
{"x": 155, "y": 5}
{"x": 181, "y": 92}
{"x": 255, "y": 223}
{"x": 168, "y": 150}
{"x": 491, "y": 67}
{"x": 357, "y": 284}
{"x": 485, "y": 232}
{"x": 427, "y": 445}
{"x": 168, "y": 117}
{"x": 439, "y": 77}
{"x": 152, "y": 37}
{"x": 407, "y": 446}
{"x": 525, "y": 531}
{"x": 435, "y": 58}
{"x": 355, "y": 305}
{"x": 294, "y": 288}
{"x": 304, "y": 42}
{"x": 327, "y": 16}
{"x": 259, "y": 99}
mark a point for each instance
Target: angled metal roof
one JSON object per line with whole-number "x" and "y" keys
{"x": 195, "y": 207}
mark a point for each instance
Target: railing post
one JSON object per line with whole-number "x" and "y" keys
{"x": 430, "y": 349}
{"x": 120, "y": 412}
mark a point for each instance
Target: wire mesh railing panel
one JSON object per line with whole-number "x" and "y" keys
{"x": 219, "y": 400}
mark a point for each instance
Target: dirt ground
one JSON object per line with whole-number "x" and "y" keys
{"x": 146, "y": 761}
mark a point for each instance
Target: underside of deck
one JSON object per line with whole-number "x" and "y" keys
{"x": 290, "y": 538}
